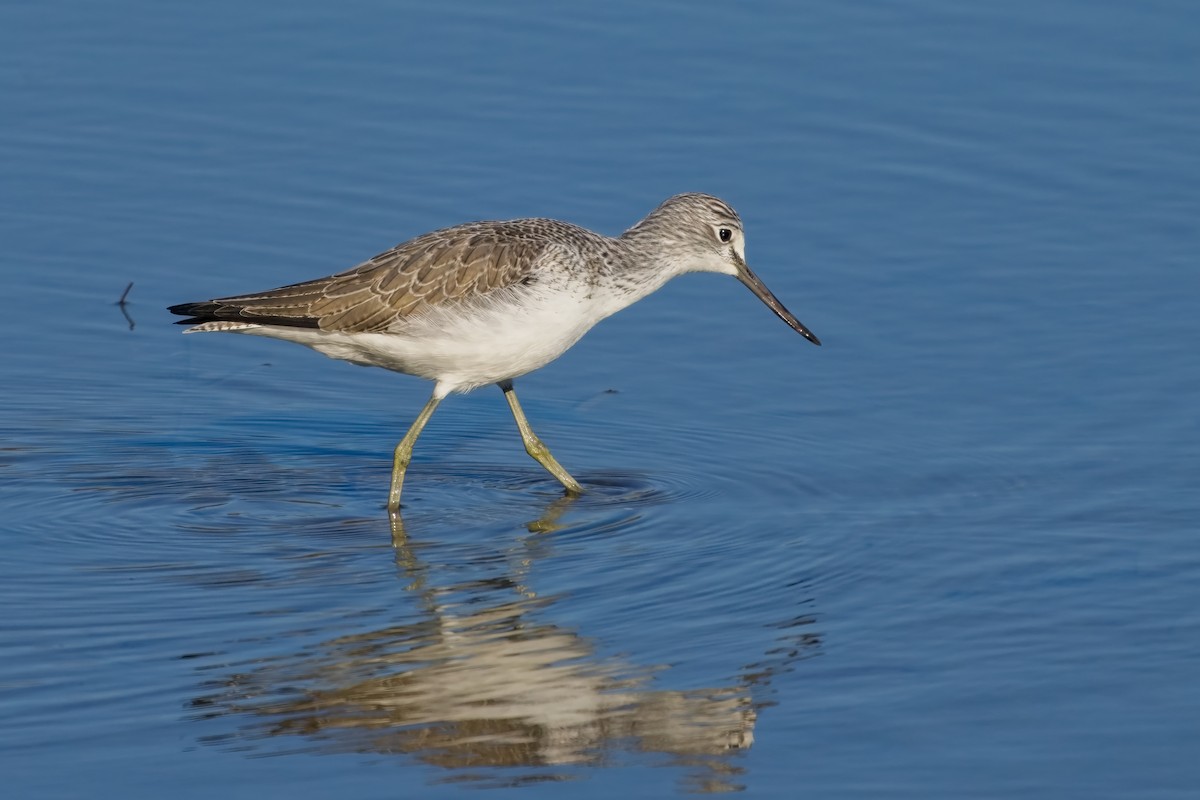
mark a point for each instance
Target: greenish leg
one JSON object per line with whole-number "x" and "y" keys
{"x": 404, "y": 452}
{"x": 534, "y": 446}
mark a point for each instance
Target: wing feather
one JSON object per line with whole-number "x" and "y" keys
{"x": 443, "y": 267}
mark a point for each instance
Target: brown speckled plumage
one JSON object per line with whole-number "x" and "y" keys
{"x": 445, "y": 266}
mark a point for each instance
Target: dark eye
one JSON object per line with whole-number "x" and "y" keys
{"x": 724, "y": 234}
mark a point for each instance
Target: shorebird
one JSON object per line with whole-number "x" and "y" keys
{"x": 487, "y": 302}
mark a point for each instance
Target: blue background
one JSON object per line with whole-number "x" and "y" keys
{"x": 952, "y": 553}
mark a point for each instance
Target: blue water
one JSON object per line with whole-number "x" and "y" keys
{"x": 952, "y": 553}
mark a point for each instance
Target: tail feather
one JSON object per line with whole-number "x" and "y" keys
{"x": 217, "y": 311}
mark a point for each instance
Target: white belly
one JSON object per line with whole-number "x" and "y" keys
{"x": 462, "y": 351}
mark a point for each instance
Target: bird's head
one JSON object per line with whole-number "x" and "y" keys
{"x": 703, "y": 233}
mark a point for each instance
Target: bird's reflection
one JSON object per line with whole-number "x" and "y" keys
{"x": 483, "y": 686}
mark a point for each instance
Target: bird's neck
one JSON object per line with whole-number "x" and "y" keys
{"x": 651, "y": 257}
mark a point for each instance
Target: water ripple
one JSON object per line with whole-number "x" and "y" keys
{"x": 313, "y": 625}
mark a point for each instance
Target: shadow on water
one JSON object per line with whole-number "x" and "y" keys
{"x": 483, "y": 685}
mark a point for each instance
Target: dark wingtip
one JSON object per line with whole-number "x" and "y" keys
{"x": 196, "y": 313}
{"x": 215, "y": 311}
{"x": 186, "y": 309}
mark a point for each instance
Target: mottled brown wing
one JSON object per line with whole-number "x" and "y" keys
{"x": 447, "y": 266}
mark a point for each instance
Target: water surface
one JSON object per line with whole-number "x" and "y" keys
{"x": 951, "y": 553}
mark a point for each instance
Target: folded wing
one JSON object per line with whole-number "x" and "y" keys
{"x": 449, "y": 266}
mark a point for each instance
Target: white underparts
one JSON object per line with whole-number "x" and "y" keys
{"x": 462, "y": 347}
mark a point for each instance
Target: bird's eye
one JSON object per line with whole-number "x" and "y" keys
{"x": 724, "y": 234}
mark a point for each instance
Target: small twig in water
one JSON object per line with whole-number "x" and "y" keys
{"x": 123, "y": 302}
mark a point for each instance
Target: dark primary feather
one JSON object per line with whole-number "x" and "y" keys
{"x": 441, "y": 267}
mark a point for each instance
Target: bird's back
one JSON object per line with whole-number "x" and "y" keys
{"x": 445, "y": 267}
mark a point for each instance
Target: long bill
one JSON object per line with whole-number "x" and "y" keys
{"x": 752, "y": 282}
